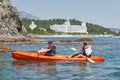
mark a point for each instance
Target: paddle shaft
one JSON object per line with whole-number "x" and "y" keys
{"x": 92, "y": 61}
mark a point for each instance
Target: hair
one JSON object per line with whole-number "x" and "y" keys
{"x": 85, "y": 43}
{"x": 50, "y": 42}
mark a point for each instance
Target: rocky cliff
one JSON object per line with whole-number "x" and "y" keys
{"x": 11, "y": 29}
{"x": 10, "y": 22}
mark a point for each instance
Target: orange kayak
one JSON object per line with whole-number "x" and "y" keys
{"x": 22, "y": 55}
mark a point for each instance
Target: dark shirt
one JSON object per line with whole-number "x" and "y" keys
{"x": 52, "y": 51}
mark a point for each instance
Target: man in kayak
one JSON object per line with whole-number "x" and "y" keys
{"x": 85, "y": 51}
{"x": 50, "y": 51}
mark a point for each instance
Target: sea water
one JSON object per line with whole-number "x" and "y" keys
{"x": 109, "y": 47}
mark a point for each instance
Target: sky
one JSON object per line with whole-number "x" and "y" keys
{"x": 102, "y": 12}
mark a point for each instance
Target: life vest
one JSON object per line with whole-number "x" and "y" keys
{"x": 88, "y": 50}
{"x": 52, "y": 51}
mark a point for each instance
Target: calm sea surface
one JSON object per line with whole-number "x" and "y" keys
{"x": 11, "y": 69}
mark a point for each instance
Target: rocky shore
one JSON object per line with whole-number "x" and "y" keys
{"x": 17, "y": 40}
{"x": 30, "y": 40}
{"x": 75, "y": 41}
{"x": 4, "y": 41}
{"x": 33, "y": 40}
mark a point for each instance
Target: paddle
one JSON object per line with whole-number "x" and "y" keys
{"x": 90, "y": 60}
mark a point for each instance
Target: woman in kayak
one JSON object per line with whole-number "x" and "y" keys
{"x": 50, "y": 51}
{"x": 85, "y": 51}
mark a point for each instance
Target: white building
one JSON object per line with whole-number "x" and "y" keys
{"x": 32, "y": 26}
{"x": 68, "y": 28}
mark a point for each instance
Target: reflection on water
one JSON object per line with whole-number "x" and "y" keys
{"x": 51, "y": 68}
{"x": 45, "y": 68}
{"x": 84, "y": 65}
{"x": 40, "y": 66}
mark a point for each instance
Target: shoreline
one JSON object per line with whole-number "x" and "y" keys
{"x": 36, "y": 39}
{"x": 74, "y": 36}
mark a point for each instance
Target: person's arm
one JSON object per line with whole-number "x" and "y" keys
{"x": 43, "y": 50}
{"x": 81, "y": 50}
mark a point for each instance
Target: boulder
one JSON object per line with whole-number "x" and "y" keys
{"x": 5, "y": 49}
{"x": 85, "y": 39}
{"x": 75, "y": 41}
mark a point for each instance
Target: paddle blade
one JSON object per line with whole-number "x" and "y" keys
{"x": 91, "y": 60}
{"x": 73, "y": 49}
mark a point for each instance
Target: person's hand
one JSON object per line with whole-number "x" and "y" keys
{"x": 41, "y": 50}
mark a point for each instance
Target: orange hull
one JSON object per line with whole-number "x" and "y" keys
{"x": 22, "y": 55}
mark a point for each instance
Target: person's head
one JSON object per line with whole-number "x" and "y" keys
{"x": 85, "y": 43}
{"x": 50, "y": 43}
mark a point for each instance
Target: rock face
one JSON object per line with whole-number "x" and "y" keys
{"x": 10, "y": 22}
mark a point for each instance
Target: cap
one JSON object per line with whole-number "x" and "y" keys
{"x": 50, "y": 42}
